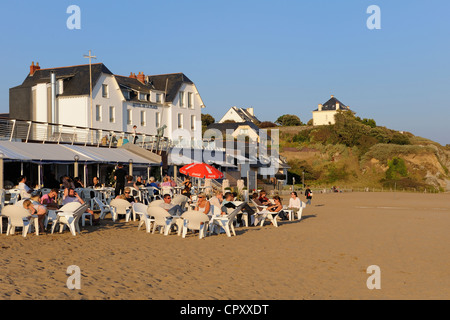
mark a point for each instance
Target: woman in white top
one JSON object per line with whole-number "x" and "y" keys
{"x": 203, "y": 205}
{"x": 294, "y": 202}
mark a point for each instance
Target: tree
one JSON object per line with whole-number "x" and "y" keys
{"x": 288, "y": 120}
{"x": 207, "y": 119}
{"x": 267, "y": 124}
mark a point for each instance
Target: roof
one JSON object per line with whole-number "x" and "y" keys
{"x": 76, "y": 78}
{"x": 331, "y": 105}
{"x": 223, "y": 127}
{"x": 174, "y": 82}
{"x": 245, "y": 115}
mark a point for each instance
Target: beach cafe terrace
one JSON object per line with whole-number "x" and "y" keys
{"x": 37, "y": 149}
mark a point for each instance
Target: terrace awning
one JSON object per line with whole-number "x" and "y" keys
{"x": 61, "y": 153}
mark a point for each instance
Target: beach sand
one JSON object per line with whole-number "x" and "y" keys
{"x": 323, "y": 256}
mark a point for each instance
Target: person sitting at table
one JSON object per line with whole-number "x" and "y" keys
{"x": 128, "y": 196}
{"x": 25, "y": 190}
{"x": 70, "y": 195}
{"x": 35, "y": 207}
{"x": 263, "y": 198}
{"x": 294, "y": 202}
{"x": 173, "y": 184}
{"x": 50, "y": 199}
{"x": 152, "y": 183}
{"x": 277, "y": 207}
{"x": 203, "y": 204}
{"x": 187, "y": 185}
{"x": 95, "y": 183}
{"x": 217, "y": 199}
{"x": 166, "y": 182}
{"x": 138, "y": 183}
{"x": 129, "y": 181}
{"x": 77, "y": 183}
{"x": 228, "y": 203}
{"x": 169, "y": 207}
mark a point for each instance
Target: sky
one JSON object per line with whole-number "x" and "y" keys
{"x": 279, "y": 57}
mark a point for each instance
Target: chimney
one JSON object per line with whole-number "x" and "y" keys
{"x": 320, "y": 107}
{"x": 251, "y": 111}
{"x": 132, "y": 75}
{"x": 332, "y": 96}
{"x": 34, "y": 68}
{"x": 141, "y": 77}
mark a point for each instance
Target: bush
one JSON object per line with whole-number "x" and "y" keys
{"x": 289, "y": 120}
{"x": 266, "y": 124}
{"x": 397, "y": 169}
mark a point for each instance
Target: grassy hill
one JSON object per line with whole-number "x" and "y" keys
{"x": 357, "y": 153}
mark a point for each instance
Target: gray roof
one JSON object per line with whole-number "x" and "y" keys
{"x": 76, "y": 78}
{"x": 245, "y": 115}
{"x": 174, "y": 82}
{"x": 232, "y": 126}
{"x": 331, "y": 105}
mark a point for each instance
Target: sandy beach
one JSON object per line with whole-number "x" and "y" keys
{"x": 323, "y": 256}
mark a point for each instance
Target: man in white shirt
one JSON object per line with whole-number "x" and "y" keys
{"x": 25, "y": 191}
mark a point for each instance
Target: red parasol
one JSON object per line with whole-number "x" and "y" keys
{"x": 201, "y": 170}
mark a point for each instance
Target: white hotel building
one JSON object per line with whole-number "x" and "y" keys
{"x": 62, "y": 96}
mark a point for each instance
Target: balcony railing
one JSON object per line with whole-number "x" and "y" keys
{"x": 43, "y": 132}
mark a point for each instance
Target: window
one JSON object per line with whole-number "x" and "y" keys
{"x": 181, "y": 97}
{"x": 158, "y": 120}
{"x": 180, "y": 121}
{"x": 190, "y": 100}
{"x": 126, "y": 94}
{"x": 98, "y": 113}
{"x": 192, "y": 122}
{"x": 112, "y": 114}
{"x": 105, "y": 93}
{"x": 142, "y": 96}
{"x": 159, "y": 98}
{"x": 244, "y": 131}
{"x": 129, "y": 120}
{"x": 143, "y": 118}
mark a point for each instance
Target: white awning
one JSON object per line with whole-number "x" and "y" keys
{"x": 61, "y": 153}
{"x": 108, "y": 155}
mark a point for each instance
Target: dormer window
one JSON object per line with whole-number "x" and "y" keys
{"x": 158, "y": 98}
{"x": 126, "y": 94}
{"x": 142, "y": 96}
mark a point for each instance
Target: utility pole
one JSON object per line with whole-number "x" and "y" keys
{"x": 90, "y": 57}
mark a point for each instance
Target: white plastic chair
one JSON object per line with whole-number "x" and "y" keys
{"x": 226, "y": 222}
{"x": 141, "y": 210}
{"x": 195, "y": 220}
{"x": 166, "y": 190}
{"x": 162, "y": 219}
{"x": 17, "y": 217}
{"x": 262, "y": 214}
{"x": 104, "y": 208}
{"x": 14, "y": 196}
{"x": 156, "y": 203}
{"x": 180, "y": 200}
{"x": 69, "y": 215}
{"x": 120, "y": 206}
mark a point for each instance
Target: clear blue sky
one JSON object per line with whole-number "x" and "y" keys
{"x": 280, "y": 57}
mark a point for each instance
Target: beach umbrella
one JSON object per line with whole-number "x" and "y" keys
{"x": 201, "y": 170}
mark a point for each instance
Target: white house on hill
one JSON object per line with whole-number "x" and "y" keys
{"x": 240, "y": 115}
{"x": 118, "y": 102}
{"x": 324, "y": 114}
